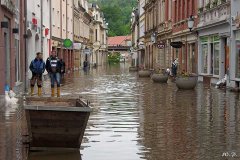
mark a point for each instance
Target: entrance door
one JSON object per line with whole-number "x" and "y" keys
{"x": 226, "y": 47}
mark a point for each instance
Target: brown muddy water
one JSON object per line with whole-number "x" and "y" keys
{"x": 136, "y": 119}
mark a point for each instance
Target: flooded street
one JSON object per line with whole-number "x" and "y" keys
{"x": 134, "y": 118}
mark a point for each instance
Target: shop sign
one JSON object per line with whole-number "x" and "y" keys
{"x": 77, "y": 46}
{"x": 161, "y": 45}
{"x": 67, "y": 43}
{"x": 87, "y": 51}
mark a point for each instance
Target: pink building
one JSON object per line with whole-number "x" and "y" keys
{"x": 12, "y": 61}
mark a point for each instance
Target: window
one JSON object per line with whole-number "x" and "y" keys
{"x": 53, "y": 16}
{"x": 204, "y": 45}
{"x": 96, "y": 33}
{"x": 216, "y": 51}
{"x": 204, "y": 58}
{"x": 17, "y": 61}
{"x": 216, "y": 58}
{"x": 193, "y": 7}
{"x": 175, "y": 6}
{"x": 238, "y": 54}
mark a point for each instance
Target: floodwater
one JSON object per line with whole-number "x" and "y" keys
{"x": 136, "y": 119}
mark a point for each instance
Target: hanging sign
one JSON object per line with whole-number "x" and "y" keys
{"x": 67, "y": 43}
{"x": 161, "y": 45}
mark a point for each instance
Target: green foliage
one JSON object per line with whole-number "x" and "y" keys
{"x": 117, "y": 14}
{"x": 114, "y": 57}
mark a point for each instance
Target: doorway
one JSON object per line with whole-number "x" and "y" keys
{"x": 7, "y": 53}
{"x": 227, "y": 54}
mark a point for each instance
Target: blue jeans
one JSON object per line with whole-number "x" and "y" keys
{"x": 55, "y": 77}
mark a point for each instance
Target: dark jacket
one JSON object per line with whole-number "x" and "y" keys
{"x": 53, "y": 65}
{"x": 37, "y": 66}
{"x": 63, "y": 66}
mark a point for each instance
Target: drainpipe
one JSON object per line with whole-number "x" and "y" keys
{"x": 230, "y": 69}
{"x": 26, "y": 47}
{"x": 50, "y": 27}
{"x": 41, "y": 27}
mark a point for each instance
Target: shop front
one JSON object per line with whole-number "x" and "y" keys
{"x": 237, "y": 41}
{"x": 214, "y": 57}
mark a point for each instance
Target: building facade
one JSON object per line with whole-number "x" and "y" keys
{"x": 46, "y": 28}
{"x": 234, "y": 57}
{"x": 213, "y": 40}
{"x": 141, "y": 30}
{"x": 135, "y": 37}
{"x": 166, "y": 23}
{"x": 34, "y": 37}
{"x": 82, "y": 21}
{"x": 150, "y": 33}
{"x": 62, "y": 29}
{"x": 164, "y": 34}
{"x": 100, "y": 48}
{"x": 12, "y": 45}
{"x": 187, "y": 55}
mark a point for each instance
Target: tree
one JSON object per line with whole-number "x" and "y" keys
{"x": 118, "y": 14}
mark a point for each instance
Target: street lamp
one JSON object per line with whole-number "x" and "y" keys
{"x": 190, "y": 23}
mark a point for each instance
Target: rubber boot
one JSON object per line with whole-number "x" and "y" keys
{"x": 58, "y": 91}
{"x": 52, "y": 95}
{"x": 32, "y": 90}
{"x": 39, "y": 91}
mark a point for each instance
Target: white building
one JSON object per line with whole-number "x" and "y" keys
{"x": 38, "y": 29}
{"x": 141, "y": 45}
{"x": 135, "y": 37}
{"x": 33, "y": 30}
{"x": 46, "y": 25}
{"x": 213, "y": 40}
{"x": 100, "y": 28}
{"x": 234, "y": 71}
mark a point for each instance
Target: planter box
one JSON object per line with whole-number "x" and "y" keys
{"x": 133, "y": 69}
{"x": 160, "y": 78}
{"x": 186, "y": 82}
{"x": 144, "y": 73}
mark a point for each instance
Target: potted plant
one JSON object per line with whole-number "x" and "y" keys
{"x": 223, "y": 1}
{"x": 215, "y": 3}
{"x": 208, "y": 6}
{"x": 144, "y": 72}
{"x": 200, "y": 10}
{"x": 160, "y": 77}
{"x": 186, "y": 81}
{"x": 133, "y": 68}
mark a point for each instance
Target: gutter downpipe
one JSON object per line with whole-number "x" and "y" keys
{"x": 26, "y": 47}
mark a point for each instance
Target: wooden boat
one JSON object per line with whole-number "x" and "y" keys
{"x": 56, "y": 123}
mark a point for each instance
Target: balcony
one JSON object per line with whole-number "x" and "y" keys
{"x": 9, "y": 5}
{"x": 215, "y": 12}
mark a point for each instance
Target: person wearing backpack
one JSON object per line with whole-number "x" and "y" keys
{"x": 53, "y": 67}
{"x": 37, "y": 67}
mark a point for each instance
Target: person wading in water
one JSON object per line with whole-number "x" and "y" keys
{"x": 174, "y": 68}
{"x": 53, "y": 66}
{"x": 37, "y": 68}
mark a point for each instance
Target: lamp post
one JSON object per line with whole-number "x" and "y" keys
{"x": 190, "y": 23}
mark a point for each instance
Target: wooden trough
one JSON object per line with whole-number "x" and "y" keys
{"x": 56, "y": 123}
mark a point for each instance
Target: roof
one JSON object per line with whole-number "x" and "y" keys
{"x": 118, "y": 40}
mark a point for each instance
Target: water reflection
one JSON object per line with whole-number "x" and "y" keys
{"x": 58, "y": 155}
{"x": 134, "y": 119}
